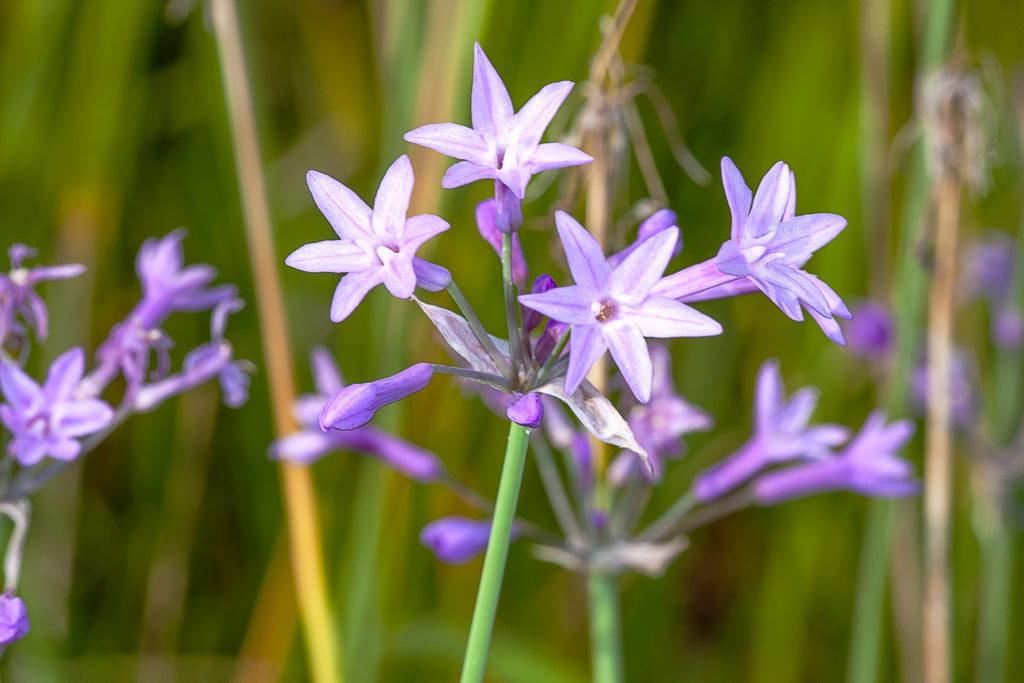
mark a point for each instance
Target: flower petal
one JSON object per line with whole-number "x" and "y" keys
{"x": 532, "y": 120}
{"x": 586, "y": 345}
{"x": 629, "y": 349}
{"x": 78, "y": 418}
{"x": 631, "y": 281}
{"x": 326, "y": 376}
{"x": 453, "y": 140}
{"x": 351, "y": 290}
{"x": 491, "y": 106}
{"x": 466, "y": 172}
{"x": 770, "y": 201}
{"x": 801, "y": 236}
{"x": 330, "y": 256}
{"x": 738, "y": 196}
{"x": 570, "y": 304}
{"x": 391, "y": 204}
{"x": 662, "y": 317}
{"x": 551, "y": 155}
{"x": 344, "y": 210}
{"x": 20, "y": 390}
{"x": 64, "y": 375}
{"x": 586, "y": 260}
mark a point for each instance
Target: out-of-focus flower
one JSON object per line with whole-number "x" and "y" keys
{"x": 215, "y": 359}
{"x": 991, "y": 272}
{"x": 869, "y": 465}
{"x": 768, "y": 247}
{"x": 47, "y": 420}
{"x": 871, "y": 332}
{"x": 311, "y": 443}
{"x": 781, "y": 433}
{"x": 374, "y": 246}
{"x": 17, "y": 295}
{"x": 167, "y": 287}
{"x": 457, "y": 540}
{"x": 502, "y": 144}
{"x": 962, "y": 387}
{"x": 612, "y": 308}
{"x": 14, "y": 623}
{"x": 659, "y": 424}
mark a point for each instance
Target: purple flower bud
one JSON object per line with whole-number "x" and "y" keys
{"x": 430, "y": 276}
{"x": 548, "y": 340}
{"x": 14, "y": 623}
{"x": 457, "y": 540}
{"x": 525, "y": 410}
{"x": 531, "y": 318}
{"x": 868, "y": 466}
{"x": 655, "y": 223}
{"x": 354, "y": 405}
{"x": 47, "y": 420}
{"x": 871, "y": 332}
{"x": 486, "y": 223}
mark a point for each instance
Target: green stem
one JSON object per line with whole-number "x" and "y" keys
{"x": 482, "y": 626}
{"x": 476, "y": 326}
{"x": 514, "y": 340}
{"x": 996, "y": 563}
{"x": 867, "y": 608}
{"x": 670, "y": 518}
{"x": 605, "y": 628}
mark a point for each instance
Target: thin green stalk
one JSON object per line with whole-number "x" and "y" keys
{"x": 605, "y": 627}
{"x": 478, "y": 328}
{"x": 557, "y": 495}
{"x": 867, "y": 608}
{"x": 514, "y": 339}
{"x": 482, "y": 626}
{"x": 996, "y": 590}
{"x": 670, "y": 518}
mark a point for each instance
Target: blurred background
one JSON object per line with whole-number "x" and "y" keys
{"x": 160, "y": 557}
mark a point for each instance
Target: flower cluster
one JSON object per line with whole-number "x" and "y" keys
{"x": 557, "y": 332}
{"x": 68, "y": 414}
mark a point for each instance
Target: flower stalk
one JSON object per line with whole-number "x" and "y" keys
{"x": 482, "y": 625}
{"x": 605, "y": 627}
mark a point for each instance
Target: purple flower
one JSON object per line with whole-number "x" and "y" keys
{"x": 167, "y": 287}
{"x": 502, "y": 145}
{"x": 871, "y": 330}
{"x": 652, "y": 225}
{"x": 486, "y": 223}
{"x": 781, "y": 433}
{"x": 991, "y": 272}
{"x": 962, "y": 382}
{"x": 354, "y": 405}
{"x": 375, "y": 246}
{"x": 612, "y": 308}
{"x": 17, "y": 294}
{"x": 46, "y": 421}
{"x": 659, "y": 424}
{"x": 868, "y": 466}
{"x": 457, "y": 540}
{"x": 311, "y": 443}
{"x": 525, "y": 410}
{"x": 215, "y": 359}
{"x": 767, "y": 250}
{"x": 14, "y": 624}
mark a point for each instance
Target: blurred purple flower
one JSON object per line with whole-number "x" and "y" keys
{"x": 47, "y": 420}
{"x": 375, "y": 246}
{"x": 652, "y": 225}
{"x": 611, "y": 308}
{"x": 868, "y": 466}
{"x": 991, "y": 274}
{"x": 14, "y": 623}
{"x": 215, "y": 359}
{"x": 871, "y": 331}
{"x": 767, "y": 250}
{"x": 311, "y": 443}
{"x": 502, "y": 145}
{"x": 781, "y": 433}
{"x": 18, "y": 297}
{"x": 659, "y": 424}
{"x": 457, "y": 540}
{"x": 965, "y": 400}
{"x": 167, "y": 287}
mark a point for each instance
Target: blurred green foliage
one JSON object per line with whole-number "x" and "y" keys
{"x": 145, "y": 560}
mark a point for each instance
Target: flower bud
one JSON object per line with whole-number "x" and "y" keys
{"x": 525, "y": 410}
{"x": 354, "y": 405}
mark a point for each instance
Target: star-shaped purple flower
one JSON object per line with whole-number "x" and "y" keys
{"x": 17, "y": 294}
{"x": 502, "y": 144}
{"x": 781, "y": 433}
{"x": 47, "y": 420}
{"x": 868, "y": 466}
{"x": 612, "y": 308}
{"x": 770, "y": 244}
{"x": 375, "y": 246}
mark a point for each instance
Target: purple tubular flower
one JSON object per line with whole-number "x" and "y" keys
{"x": 47, "y": 421}
{"x": 531, "y": 319}
{"x": 215, "y": 359}
{"x": 768, "y": 247}
{"x": 486, "y": 223}
{"x": 525, "y": 410}
{"x": 659, "y": 424}
{"x": 870, "y": 331}
{"x": 18, "y": 297}
{"x": 868, "y": 466}
{"x": 652, "y": 225}
{"x": 502, "y": 145}
{"x": 612, "y": 308}
{"x": 781, "y": 433}
{"x": 309, "y": 444}
{"x": 354, "y": 405}
{"x": 167, "y": 287}
{"x": 457, "y": 540}
{"x": 14, "y": 623}
{"x": 375, "y": 246}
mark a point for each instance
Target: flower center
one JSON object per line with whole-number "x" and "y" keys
{"x": 605, "y": 312}
{"x": 19, "y": 277}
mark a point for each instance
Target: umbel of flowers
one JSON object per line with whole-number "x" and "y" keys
{"x": 556, "y": 332}
{"x": 48, "y": 425}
